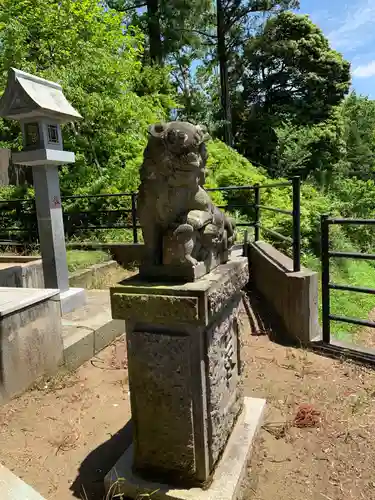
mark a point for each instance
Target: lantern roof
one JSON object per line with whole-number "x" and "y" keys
{"x": 30, "y": 97}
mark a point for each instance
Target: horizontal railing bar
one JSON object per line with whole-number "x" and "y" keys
{"x": 245, "y": 224}
{"x": 81, "y": 196}
{"x": 351, "y": 221}
{"x": 114, "y": 195}
{"x": 352, "y": 321}
{"x": 231, "y": 188}
{"x": 276, "y": 185}
{"x": 339, "y": 351}
{"x": 349, "y": 288}
{"x": 252, "y": 187}
{"x": 276, "y": 234}
{"x": 226, "y": 207}
{"x": 353, "y": 255}
{"x": 277, "y": 210}
{"x": 20, "y": 200}
{"x": 90, "y": 228}
{"x": 12, "y": 243}
{"x": 123, "y": 211}
{"x": 15, "y": 229}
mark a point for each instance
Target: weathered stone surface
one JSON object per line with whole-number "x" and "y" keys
{"x": 228, "y": 476}
{"x": 161, "y": 393}
{"x": 224, "y": 395}
{"x": 156, "y": 308}
{"x": 180, "y": 224}
{"x": 227, "y": 287}
{"x": 212, "y": 292}
{"x": 182, "y": 272}
{"x": 183, "y": 370}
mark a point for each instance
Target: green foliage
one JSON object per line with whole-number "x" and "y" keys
{"x": 226, "y": 167}
{"x": 358, "y": 115}
{"x": 310, "y": 151}
{"x": 290, "y": 70}
{"x": 85, "y": 48}
{"x": 289, "y": 75}
{"x": 82, "y": 259}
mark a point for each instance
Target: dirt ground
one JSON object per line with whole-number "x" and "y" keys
{"x": 366, "y": 336}
{"x": 333, "y": 460}
{"x": 64, "y": 435}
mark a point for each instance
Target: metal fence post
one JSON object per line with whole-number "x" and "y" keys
{"x": 256, "y": 212}
{"x": 296, "y": 182}
{"x": 134, "y": 217}
{"x": 324, "y": 225}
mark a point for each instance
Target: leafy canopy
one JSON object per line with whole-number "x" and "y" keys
{"x": 287, "y": 73}
{"x": 87, "y": 48}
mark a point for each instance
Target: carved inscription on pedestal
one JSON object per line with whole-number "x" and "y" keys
{"x": 224, "y": 400}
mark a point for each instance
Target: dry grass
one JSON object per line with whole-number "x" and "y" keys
{"x": 68, "y": 439}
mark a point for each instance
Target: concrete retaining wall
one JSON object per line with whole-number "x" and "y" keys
{"x": 88, "y": 278}
{"x": 293, "y": 296}
{"x": 21, "y": 272}
{"x": 31, "y": 343}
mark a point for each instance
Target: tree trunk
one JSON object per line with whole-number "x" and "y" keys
{"x": 224, "y": 83}
{"x": 154, "y": 32}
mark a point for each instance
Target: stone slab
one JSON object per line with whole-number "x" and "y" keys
{"x": 15, "y": 299}
{"x": 72, "y": 299}
{"x": 182, "y": 272}
{"x": 13, "y": 488}
{"x": 89, "y": 329}
{"x": 212, "y": 291}
{"x": 227, "y": 478}
{"x": 155, "y": 308}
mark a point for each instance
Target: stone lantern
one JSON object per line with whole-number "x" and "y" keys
{"x": 41, "y": 108}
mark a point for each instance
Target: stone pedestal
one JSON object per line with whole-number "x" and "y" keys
{"x": 52, "y": 237}
{"x": 184, "y": 371}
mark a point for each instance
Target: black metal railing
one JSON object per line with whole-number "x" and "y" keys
{"x": 124, "y": 215}
{"x": 18, "y": 222}
{"x": 98, "y": 219}
{"x": 327, "y": 286}
{"x": 295, "y": 239}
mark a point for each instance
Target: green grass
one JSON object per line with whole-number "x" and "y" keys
{"x": 82, "y": 259}
{"x": 107, "y": 236}
{"x": 350, "y": 304}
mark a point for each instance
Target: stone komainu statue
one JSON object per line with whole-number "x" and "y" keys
{"x": 185, "y": 234}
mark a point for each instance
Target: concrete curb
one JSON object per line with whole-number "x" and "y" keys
{"x": 227, "y": 479}
{"x": 85, "y": 278}
{"x": 13, "y": 488}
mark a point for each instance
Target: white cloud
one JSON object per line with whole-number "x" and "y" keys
{"x": 365, "y": 70}
{"x": 357, "y": 29}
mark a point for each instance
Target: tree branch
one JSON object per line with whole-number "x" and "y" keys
{"x": 208, "y": 35}
{"x": 133, "y": 7}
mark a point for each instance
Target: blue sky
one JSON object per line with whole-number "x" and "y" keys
{"x": 350, "y": 27}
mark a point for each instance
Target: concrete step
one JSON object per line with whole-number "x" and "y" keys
{"x": 89, "y": 329}
{"x": 13, "y": 488}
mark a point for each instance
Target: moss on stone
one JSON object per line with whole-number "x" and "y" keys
{"x": 154, "y": 308}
